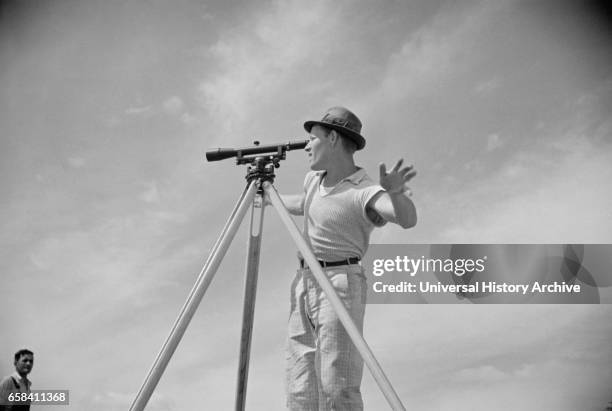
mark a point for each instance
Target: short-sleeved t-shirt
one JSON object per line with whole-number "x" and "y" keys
{"x": 13, "y": 384}
{"x": 335, "y": 220}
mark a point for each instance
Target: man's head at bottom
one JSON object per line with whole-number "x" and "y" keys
{"x": 24, "y": 361}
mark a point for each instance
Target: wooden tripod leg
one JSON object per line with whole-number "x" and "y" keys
{"x": 250, "y": 289}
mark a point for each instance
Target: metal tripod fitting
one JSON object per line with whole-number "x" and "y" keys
{"x": 261, "y": 169}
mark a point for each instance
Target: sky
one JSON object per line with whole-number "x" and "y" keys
{"x": 109, "y": 209}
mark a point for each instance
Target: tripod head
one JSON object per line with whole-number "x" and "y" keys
{"x": 262, "y": 160}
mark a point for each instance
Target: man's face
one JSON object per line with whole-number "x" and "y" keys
{"x": 24, "y": 364}
{"x": 318, "y": 148}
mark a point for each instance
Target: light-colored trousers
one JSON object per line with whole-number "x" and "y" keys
{"x": 324, "y": 368}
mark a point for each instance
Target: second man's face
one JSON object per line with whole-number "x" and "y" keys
{"x": 24, "y": 364}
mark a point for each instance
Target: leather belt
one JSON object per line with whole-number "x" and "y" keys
{"x": 347, "y": 261}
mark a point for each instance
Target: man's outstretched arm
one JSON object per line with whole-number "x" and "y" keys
{"x": 394, "y": 204}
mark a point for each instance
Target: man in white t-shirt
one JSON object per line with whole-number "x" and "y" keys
{"x": 341, "y": 206}
{"x": 17, "y": 383}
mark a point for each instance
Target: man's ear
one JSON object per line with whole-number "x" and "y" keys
{"x": 333, "y": 138}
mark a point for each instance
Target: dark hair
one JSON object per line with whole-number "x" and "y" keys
{"x": 22, "y": 352}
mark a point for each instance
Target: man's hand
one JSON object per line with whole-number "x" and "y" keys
{"x": 395, "y": 205}
{"x": 396, "y": 180}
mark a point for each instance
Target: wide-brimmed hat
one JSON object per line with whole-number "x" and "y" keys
{"x": 342, "y": 120}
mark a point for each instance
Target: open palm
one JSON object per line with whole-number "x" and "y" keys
{"x": 396, "y": 180}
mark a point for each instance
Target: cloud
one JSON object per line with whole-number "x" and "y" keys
{"x": 109, "y": 256}
{"x": 493, "y": 142}
{"x": 483, "y": 373}
{"x": 76, "y": 162}
{"x": 436, "y": 52}
{"x": 487, "y": 86}
{"x": 550, "y": 193}
{"x": 487, "y": 353}
{"x": 259, "y": 62}
{"x": 173, "y": 105}
{"x": 188, "y": 119}
{"x": 139, "y": 111}
{"x": 151, "y": 193}
{"x": 113, "y": 121}
{"x": 547, "y": 384}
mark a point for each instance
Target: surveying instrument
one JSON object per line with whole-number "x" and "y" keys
{"x": 261, "y": 161}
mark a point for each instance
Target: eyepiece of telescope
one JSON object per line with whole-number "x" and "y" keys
{"x": 223, "y": 153}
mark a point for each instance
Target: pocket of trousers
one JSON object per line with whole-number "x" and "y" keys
{"x": 342, "y": 286}
{"x": 350, "y": 286}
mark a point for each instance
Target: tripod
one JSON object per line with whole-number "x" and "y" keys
{"x": 260, "y": 178}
